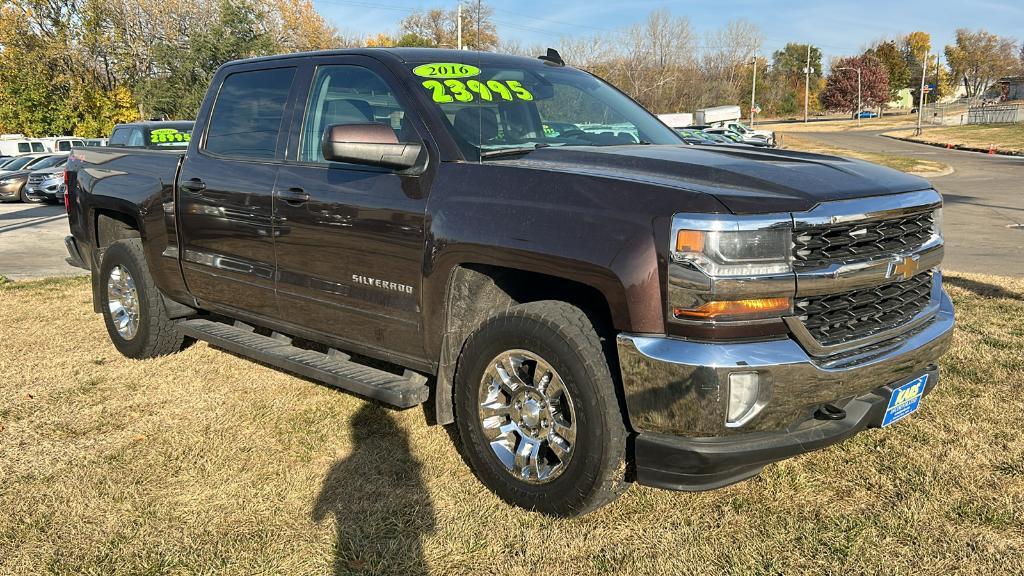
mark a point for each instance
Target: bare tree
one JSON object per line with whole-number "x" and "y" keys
{"x": 980, "y": 58}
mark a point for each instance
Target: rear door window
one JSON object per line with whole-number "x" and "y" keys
{"x": 247, "y": 115}
{"x": 38, "y": 147}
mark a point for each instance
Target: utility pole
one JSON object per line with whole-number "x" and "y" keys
{"x": 807, "y": 84}
{"x": 459, "y": 27}
{"x": 920, "y": 100}
{"x": 753, "y": 92}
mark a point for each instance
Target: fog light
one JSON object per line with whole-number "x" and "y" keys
{"x": 744, "y": 390}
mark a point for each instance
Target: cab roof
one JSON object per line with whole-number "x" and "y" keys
{"x": 409, "y": 56}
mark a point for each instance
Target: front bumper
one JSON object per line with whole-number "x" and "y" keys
{"x": 10, "y": 191}
{"x": 45, "y": 191}
{"x": 677, "y": 392}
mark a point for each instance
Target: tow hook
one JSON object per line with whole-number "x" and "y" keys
{"x": 829, "y": 412}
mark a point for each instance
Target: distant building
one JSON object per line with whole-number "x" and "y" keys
{"x": 904, "y": 99}
{"x": 1011, "y": 87}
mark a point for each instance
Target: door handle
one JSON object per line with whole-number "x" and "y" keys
{"x": 193, "y": 185}
{"x": 294, "y": 196}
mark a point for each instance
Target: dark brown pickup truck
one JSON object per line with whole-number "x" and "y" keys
{"x": 531, "y": 254}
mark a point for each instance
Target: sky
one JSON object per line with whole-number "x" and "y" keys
{"x": 839, "y": 28}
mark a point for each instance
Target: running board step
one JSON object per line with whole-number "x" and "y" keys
{"x": 334, "y": 369}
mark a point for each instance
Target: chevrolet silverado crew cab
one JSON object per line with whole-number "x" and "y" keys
{"x": 588, "y": 306}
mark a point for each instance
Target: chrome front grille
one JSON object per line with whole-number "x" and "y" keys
{"x": 36, "y": 178}
{"x": 820, "y": 245}
{"x": 850, "y": 316}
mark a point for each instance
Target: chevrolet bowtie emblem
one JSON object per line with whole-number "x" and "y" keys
{"x": 903, "y": 266}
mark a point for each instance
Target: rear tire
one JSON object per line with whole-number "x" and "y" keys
{"x": 537, "y": 412}
{"x": 133, "y": 308}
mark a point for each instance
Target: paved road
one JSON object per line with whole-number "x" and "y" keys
{"x": 32, "y": 241}
{"x": 984, "y": 196}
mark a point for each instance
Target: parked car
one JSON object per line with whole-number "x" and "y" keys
{"x": 44, "y": 185}
{"x": 95, "y": 141}
{"x": 866, "y": 114}
{"x": 153, "y": 134}
{"x": 726, "y": 138}
{"x": 737, "y": 138}
{"x": 587, "y": 312}
{"x": 750, "y": 135}
{"x": 15, "y": 175}
{"x": 696, "y": 137}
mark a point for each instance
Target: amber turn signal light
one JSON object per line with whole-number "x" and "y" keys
{"x": 735, "y": 308}
{"x": 690, "y": 241}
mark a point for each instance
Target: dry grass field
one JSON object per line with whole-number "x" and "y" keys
{"x": 204, "y": 463}
{"x": 905, "y": 163}
{"x": 866, "y": 124}
{"x": 1002, "y": 137}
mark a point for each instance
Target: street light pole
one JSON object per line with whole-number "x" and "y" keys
{"x": 859, "y": 104}
{"x": 459, "y": 27}
{"x": 920, "y": 100}
{"x": 807, "y": 83}
{"x": 753, "y": 92}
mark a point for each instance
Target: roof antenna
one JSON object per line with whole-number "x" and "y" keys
{"x": 553, "y": 57}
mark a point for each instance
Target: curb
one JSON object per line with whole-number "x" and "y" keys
{"x": 945, "y": 146}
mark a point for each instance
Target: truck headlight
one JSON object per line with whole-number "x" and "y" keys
{"x": 735, "y": 246}
{"x": 937, "y": 222}
{"x": 714, "y": 256}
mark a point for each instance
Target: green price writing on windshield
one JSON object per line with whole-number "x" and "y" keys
{"x": 168, "y": 135}
{"x": 457, "y": 90}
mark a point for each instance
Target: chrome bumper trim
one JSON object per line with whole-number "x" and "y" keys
{"x": 680, "y": 387}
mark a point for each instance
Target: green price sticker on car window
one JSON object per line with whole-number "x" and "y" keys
{"x": 451, "y": 90}
{"x": 168, "y": 136}
{"x": 446, "y": 70}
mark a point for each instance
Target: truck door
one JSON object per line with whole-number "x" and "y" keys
{"x": 225, "y": 196}
{"x": 350, "y": 250}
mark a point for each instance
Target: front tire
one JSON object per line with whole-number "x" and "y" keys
{"x": 537, "y": 413}
{"x": 133, "y": 309}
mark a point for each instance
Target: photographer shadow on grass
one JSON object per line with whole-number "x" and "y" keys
{"x": 381, "y": 507}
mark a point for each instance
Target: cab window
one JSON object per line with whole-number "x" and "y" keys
{"x": 349, "y": 95}
{"x": 23, "y": 147}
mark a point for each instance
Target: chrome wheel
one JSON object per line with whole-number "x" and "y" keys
{"x": 527, "y": 416}
{"x": 123, "y": 302}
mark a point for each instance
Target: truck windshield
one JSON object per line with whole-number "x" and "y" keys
{"x": 494, "y": 108}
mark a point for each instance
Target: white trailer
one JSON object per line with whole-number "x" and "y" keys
{"x": 717, "y": 115}
{"x": 680, "y": 120}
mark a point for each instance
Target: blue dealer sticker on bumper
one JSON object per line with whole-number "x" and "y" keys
{"x": 905, "y": 400}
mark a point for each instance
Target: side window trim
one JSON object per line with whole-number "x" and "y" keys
{"x": 286, "y": 115}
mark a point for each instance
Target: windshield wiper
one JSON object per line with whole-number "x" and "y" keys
{"x": 511, "y": 151}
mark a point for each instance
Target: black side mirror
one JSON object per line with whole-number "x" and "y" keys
{"x": 369, "y": 144}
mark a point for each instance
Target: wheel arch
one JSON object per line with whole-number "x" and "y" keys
{"x": 476, "y": 292}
